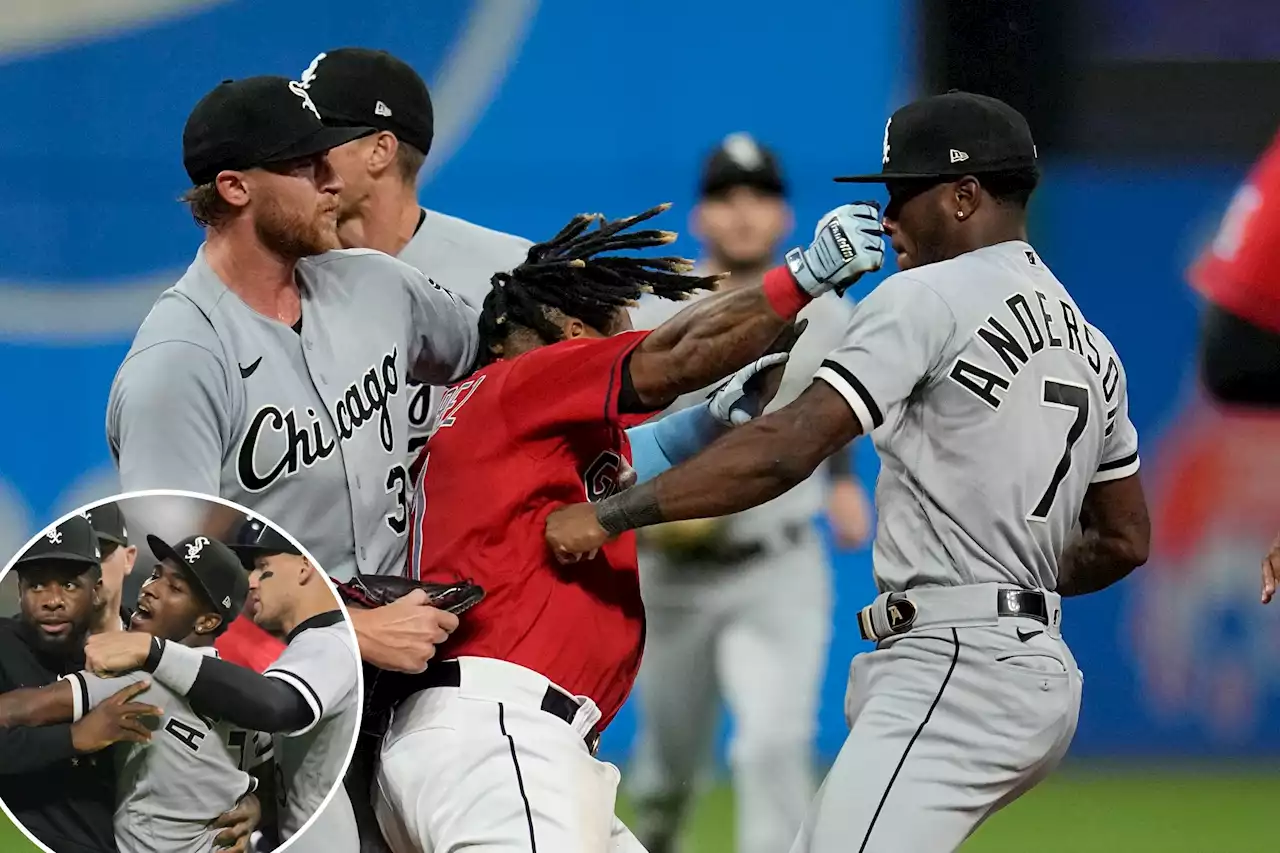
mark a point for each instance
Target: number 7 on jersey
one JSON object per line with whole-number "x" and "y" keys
{"x": 1062, "y": 395}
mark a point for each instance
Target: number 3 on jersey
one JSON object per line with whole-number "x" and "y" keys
{"x": 1072, "y": 397}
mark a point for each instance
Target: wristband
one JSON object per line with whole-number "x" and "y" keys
{"x": 786, "y": 297}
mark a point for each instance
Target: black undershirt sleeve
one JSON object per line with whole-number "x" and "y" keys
{"x": 246, "y": 699}
{"x": 1239, "y": 361}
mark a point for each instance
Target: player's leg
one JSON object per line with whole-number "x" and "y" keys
{"x": 771, "y": 664}
{"x": 494, "y": 777}
{"x": 677, "y": 703}
{"x": 946, "y": 726}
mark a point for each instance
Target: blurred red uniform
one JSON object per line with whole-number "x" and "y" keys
{"x": 246, "y": 644}
{"x": 516, "y": 440}
{"x": 1240, "y": 270}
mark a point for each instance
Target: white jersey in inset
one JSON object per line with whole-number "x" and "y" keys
{"x": 465, "y": 255}
{"x": 307, "y": 427}
{"x": 321, "y": 663}
{"x": 194, "y": 769}
{"x": 993, "y": 405}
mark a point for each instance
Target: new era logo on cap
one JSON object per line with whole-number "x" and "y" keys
{"x": 958, "y": 156}
{"x": 226, "y": 601}
{"x": 381, "y": 109}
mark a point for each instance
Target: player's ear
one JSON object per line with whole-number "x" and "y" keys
{"x": 207, "y": 623}
{"x": 306, "y": 571}
{"x": 573, "y": 328}
{"x": 966, "y": 198}
{"x": 233, "y": 187}
{"x": 381, "y": 151}
{"x": 130, "y": 557}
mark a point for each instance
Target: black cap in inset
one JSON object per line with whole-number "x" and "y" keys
{"x": 951, "y": 135}
{"x": 255, "y": 538}
{"x": 358, "y": 87}
{"x": 73, "y": 540}
{"x": 740, "y": 161}
{"x": 212, "y": 567}
{"x": 108, "y": 523}
{"x": 254, "y": 122}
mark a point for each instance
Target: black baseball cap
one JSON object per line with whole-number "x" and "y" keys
{"x": 740, "y": 161}
{"x": 952, "y": 135}
{"x": 212, "y": 567}
{"x": 359, "y": 87}
{"x": 257, "y": 121}
{"x": 73, "y": 541}
{"x": 255, "y": 538}
{"x": 108, "y": 523}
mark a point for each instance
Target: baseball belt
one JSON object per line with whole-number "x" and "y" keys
{"x": 894, "y": 613}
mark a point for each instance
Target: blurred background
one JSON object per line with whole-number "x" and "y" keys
{"x": 1148, "y": 114}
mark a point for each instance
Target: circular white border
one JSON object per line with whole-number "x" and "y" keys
{"x": 169, "y": 493}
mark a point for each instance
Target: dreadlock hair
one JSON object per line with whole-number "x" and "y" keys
{"x": 569, "y": 275}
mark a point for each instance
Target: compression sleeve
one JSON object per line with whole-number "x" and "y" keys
{"x": 233, "y": 693}
{"x": 657, "y": 446}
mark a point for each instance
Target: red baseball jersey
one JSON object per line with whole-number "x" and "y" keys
{"x": 1240, "y": 270}
{"x": 514, "y": 441}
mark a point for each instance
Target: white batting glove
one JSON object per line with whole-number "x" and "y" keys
{"x": 733, "y": 403}
{"x": 848, "y": 242}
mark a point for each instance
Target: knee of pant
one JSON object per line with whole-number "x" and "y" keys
{"x": 778, "y": 747}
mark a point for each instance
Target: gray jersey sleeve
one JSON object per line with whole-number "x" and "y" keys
{"x": 899, "y": 336}
{"x": 91, "y": 690}
{"x": 1120, "y": 437}
{"x": 321, "y": 666}
{"x": 446, "y": 331}
{"x": 167, "y": 419}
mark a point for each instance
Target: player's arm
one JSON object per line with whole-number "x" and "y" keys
{"x": 658, "y": 445}
{"x": 49, "y": 724}
{"x": 897, "y": 339}
{"x": 1115, "y": 531}
{"x": 445, "y": 331}
{"x": 728, "y": 329}
{"x": 1239, "y": 360}
{"x": 168, "y": 419}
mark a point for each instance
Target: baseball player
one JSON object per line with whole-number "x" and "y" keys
{"x": 542, "y": 665}
{"x": 1001, "y": 419}
{"x": 118, "y": 557}
{"x": 58, "y": 781}
{"x": 308, "y": 696}
{"x": 1239, "y": 276}
{"x": 378, "y": 206}
{"x": 706, "y": 600}
{"x": 272, "y": 372}
{"x": 171, "y": 788}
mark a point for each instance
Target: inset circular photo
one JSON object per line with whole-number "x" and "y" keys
{"x": 177, "y": 675}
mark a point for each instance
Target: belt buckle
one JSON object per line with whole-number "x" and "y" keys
{"x": 900, "y": 612}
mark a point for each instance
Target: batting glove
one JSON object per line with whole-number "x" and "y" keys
{"x": 848, "y": 242}
{"x": 739, "y": 400}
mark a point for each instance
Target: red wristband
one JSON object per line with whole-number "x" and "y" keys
{"x": 785, "y": 295}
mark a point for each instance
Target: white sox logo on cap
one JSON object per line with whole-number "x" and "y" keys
{"x": 55, "y": 537}
{"x": 300, "y": 89}
{"x": 194, "y": 549}
{"x": 885, "y": 160}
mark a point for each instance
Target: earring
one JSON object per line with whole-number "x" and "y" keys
{"x": 959, "y": 214}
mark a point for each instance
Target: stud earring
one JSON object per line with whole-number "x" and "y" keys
{"x": 959, "y": 214}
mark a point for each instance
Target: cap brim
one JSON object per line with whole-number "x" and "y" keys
{"x": 111, "y": 537}
{"x": 66, "y": 556}
{"x": 248, "y": 553}
{"x": 164, "y": 551}
{"x": 884, "y": 177}
{"x": 321, "y": 140}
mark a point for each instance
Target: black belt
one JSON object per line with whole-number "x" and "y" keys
{"x": 1024, "y": 603}
{"x": 448, "y": 673}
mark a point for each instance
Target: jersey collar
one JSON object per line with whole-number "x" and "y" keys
{"x": 320, "y": 620}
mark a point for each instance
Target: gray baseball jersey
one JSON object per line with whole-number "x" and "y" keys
{"x": 993, "y": 404}
{"x": 306, "y": 427}
{"x": 322, "y": 664}
{"x": 829, "y": 318}
{"x": 194, "y": 769}
{"x": 466, "y": 256}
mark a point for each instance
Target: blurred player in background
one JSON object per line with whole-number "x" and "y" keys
{"x": 712, "y": 622}
{"x": 118, "y": 557}
{"x": 1239, "y": 275}
{"x": 378, "y": 207}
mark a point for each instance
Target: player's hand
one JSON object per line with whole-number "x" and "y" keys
{"x": 1270, "y": 571}
{"x": 117, "y": 720}
{"x": 848, "y": 242}
{"x": 403, "y": 635}
{"x": 849, "y": 513}
{"x": 748, "y": 391}
{"x": 573, "y": 533}
{"x": 109, "y": 655}
{"x": 238, "y": 825}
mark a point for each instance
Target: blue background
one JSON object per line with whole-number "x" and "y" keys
{"x": 603, "y": 107}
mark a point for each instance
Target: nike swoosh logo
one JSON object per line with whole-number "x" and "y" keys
{"x": 246, "y": 372}
{"x": 1027, "y": 635}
